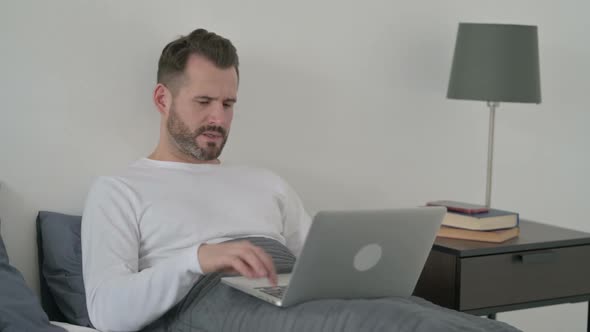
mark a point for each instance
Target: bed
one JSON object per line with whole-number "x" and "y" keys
{"x": 73, "y": 328}
{"x": 63, "y": 299}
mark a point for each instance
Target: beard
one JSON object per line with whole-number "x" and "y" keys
{"x": 186, "y": 141}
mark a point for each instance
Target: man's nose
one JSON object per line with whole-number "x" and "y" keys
{"x": 217, "y": 114}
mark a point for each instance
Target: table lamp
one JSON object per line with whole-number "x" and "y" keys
{"x": 495, "y": 63}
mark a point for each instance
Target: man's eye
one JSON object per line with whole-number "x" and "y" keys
{"x": 203, "y": 102}
{"x": 226, "y": 105}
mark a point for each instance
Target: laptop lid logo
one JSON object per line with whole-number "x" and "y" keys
{"x": 367, "y": 257}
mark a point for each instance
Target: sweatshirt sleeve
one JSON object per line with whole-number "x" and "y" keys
{"x": 296, "y": 221}
{"x": 119, "y": 297}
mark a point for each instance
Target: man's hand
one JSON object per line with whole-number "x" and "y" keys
{"x": 237, "y": 257}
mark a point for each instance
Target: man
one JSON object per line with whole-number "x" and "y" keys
{"x": 153, "y": 235}
{"x": 149, "y": 233}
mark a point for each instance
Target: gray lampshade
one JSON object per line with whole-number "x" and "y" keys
{"x": 496, "y": 62}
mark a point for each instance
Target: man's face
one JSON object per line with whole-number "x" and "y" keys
{"x": 200, "y": 114}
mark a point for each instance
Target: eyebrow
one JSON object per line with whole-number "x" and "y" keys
{"x": 209, "y": 98}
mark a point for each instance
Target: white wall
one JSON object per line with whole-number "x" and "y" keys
{"x": 345, "y": 99}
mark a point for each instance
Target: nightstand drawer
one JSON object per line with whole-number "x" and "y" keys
{"x": 519, "y": 277}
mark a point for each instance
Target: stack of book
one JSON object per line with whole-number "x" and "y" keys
{"x": 476, "y": 222}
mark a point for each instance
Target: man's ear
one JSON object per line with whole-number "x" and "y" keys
{"x": 162, "y": 98}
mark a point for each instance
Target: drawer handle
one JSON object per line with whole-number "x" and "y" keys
{"x": 537, "y": 257}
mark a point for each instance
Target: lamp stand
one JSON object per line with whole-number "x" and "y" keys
{"x": 492, "y": 106}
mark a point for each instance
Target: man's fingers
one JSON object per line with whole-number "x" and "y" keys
{"x": 265, "y": 260}
{"x": 258, "y": 259}
{"x": 244, "y": 258}
{"x": 255, "y": 263}
{"x": 250, "y": 254}
{"x": 268, "y": 263}
{"x": 239, "y": 265}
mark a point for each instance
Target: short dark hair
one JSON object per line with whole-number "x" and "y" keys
{"x": 213, "y": 47}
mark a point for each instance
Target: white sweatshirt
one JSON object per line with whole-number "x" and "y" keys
{"x": 141, "y": 231}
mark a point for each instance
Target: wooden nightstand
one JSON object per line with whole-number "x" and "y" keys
{"x": 545, "y": 265}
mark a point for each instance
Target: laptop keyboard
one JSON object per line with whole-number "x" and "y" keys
{"x": 277, "y": 292}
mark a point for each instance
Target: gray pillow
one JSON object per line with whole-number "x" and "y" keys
{"x": 61, "y": 265}
{"x": 20, "y": 309}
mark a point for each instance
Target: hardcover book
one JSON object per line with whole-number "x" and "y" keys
{"x": 485, "y": 236}
{"x": 492, "y": 220}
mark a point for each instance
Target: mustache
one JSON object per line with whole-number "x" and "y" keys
{"x": 218, "y": 129}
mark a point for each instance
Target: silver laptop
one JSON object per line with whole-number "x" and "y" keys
{"x": 354, "y": 254}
